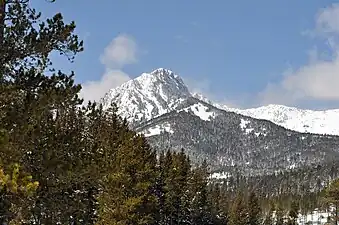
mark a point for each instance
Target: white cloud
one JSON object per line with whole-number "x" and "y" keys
{"x": 327, "y": 20}
{"x": 94, "y": 90}
{"x": 121, "y": 51}
{"x": 319, "y": 78}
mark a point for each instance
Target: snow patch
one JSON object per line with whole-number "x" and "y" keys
{"x": 201, "y": 111}
{"x": 158, "y": 129}
{"x": 223, "y": 175}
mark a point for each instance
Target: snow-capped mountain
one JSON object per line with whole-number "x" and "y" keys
{"x": 162, "y": 91}
{"x": 319, "y": 122}
{"x": 148, "y": 96}
{"x": 159, "y": 105}
{"x": 301, "y": 120}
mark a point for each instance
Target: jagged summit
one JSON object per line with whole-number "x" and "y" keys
{"x": 162, "y": 90}
{"x": 149, "y": 95}
{"x": 163, "y": 71}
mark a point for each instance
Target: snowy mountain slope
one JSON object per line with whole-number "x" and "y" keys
{"x": 301, "y": 120}
{"x": 161, "y": 91}
{"x": 148, "y": 96}
{"x": 319, "y": 122}
{"x": 159, "y": 105}
{"x": 236, "y": 142}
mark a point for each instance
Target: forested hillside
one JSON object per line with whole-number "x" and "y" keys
{"x": 63, "y": 161}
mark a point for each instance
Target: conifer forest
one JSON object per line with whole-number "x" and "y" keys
{"x": 70, "y": 162}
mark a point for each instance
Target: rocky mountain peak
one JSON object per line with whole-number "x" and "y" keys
{"x": 148, "y": 96}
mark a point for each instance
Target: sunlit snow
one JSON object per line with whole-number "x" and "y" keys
{"x": 156, "y": 130}
{"x": 201, "y": 111}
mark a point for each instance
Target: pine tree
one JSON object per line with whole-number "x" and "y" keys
{"x": 225, "y": 206}
{"x": 169, "y": 188}
{"x": 201, "y": 206}
{"x": 254, "y": 210}
{"x": 239, "y": 213}
{"x": 177, "y": 198}
{"x": 269, "y": 217}
{"x": 293, "y": 214}
{"x": 184, "y": 175}
{"x": 27, "y": 41}
{"x": 128, "y": 196}
{"x": 16, "y": 192}
{"x": 218, "y": 200}
{"x": 332, "y": 197}
{"x": 41, "y": 113}
{"x": 280, "y": 215}
{"x": 160, "y": 191}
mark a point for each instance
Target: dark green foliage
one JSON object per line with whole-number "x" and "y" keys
{"x": 128, "y": 196}
{"x": 93, "y": 169}
{"x": 238, "y": 214}
{"x": 269, "y": 216}
{"x": 219, "y": 203}
{"x": 331, "y": 198}
{"x": 254, "y": 210}
{"x": 280, "y": 215}
{"x": 177, "y": 199}
{"x": 201, "y": 205}
{"x": 293, "y": 214}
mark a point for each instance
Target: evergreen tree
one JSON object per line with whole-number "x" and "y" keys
{"x": 239, "y": 213}
{"x": 177, "y": 199}
{"x": 331, "y": 197}
{"x": 201, "y": 206}
{"x": 280, "y": 215}
{"x": 293, "y": 214}
{"x": 224, "y": 206}
{"x": 269, "y": 217}
{"x": 218, "y": 201}
{"x": 169, "y": 189}
{"x": 41, "y": 113}
{"x": 128, "y": 197}
{"x": 254, "y": 210}
{"x": 159, "y": 191}
{"x": 16, "y": 192}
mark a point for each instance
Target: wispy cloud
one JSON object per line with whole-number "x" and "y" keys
{"x": 318, "y": 79}
{"x": 121, "y": 51}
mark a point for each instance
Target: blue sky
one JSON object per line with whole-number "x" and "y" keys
{"x": 242, "y": 53}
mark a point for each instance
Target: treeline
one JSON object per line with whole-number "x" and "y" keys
{"x": 66, "y": 162}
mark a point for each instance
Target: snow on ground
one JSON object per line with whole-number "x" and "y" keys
{"x": 313, "y": 218}
{"x": 223, "y": 175}
{"x": 302, "y": 120}
{"x": 156, "y": 130}
{"x": 244, "y": 125}
{"x": 201, "y": 111}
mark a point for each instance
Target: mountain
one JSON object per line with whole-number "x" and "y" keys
{"x": 148, "y": 96}
{"x": 159, "y": 105}
{"x": 319, "y": 122}
{"x": 301, "y": 120}
{"x": 161, "y": 91}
